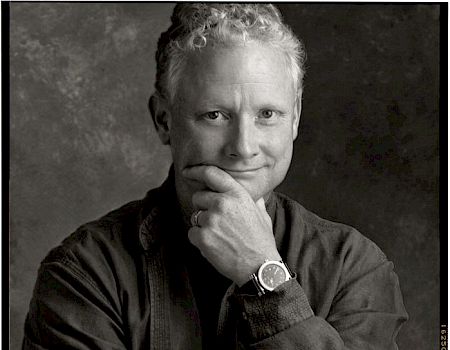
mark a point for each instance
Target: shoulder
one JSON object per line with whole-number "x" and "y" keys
{"x": 100, "y": 235}
{"x": 117, "y": 230}
{"x": 105, "y": 253}
{"x": 86, "y": 281}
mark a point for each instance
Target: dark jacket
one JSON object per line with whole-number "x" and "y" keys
{"x": 121, "y": 283}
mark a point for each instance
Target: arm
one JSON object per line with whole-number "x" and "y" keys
{"x": 366, "y": 309}
{"x": 67, "y": 311}
{"x": 366, "y": 312}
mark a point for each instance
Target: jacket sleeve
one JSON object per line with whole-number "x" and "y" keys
{"x": 67, "y": 311}
{"x": 366, "y": 311}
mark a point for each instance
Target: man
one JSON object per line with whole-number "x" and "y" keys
{"x": 214, "y": 258}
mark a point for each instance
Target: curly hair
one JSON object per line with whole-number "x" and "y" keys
{"x": 196, "y": 25}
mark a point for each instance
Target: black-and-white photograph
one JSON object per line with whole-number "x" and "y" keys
{"x": 225, "y": 175}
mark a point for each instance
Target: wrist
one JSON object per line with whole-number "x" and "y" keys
{"x": 265, "y": 316}
{"x": 252, "y": 267}
{"x": 269, "y": 276}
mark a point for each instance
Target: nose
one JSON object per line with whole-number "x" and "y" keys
{"x": 243, "y": 140}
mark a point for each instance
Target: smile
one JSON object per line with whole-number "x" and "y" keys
{"x": 241, "y": 172}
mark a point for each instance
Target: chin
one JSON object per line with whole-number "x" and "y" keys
{"x": 256, "y": 192}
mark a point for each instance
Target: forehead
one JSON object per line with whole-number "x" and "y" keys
{"x": 258, "y": 69}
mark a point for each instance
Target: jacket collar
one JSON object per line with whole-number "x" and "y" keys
{"x": 160, "y": 215}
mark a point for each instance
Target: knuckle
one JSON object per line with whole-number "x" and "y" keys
{"x": 211, "y": 220}
{"x": 221, "y": 204}
{"x": 206, "y": 219}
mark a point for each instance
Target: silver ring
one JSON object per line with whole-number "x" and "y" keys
{"x": 194, "y": 218}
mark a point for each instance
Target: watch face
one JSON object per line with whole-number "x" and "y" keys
{"x": 272, "y": 276}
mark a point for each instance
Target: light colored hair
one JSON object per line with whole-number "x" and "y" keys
{"x": 196, "y": 25}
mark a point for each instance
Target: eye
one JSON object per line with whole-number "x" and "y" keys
{"x": 267, "y": 113}
{"x": 214, "y": 115}
{"x": 269, "y": 117}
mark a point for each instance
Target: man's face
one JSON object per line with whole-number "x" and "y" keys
{"x": 236, "y": 110}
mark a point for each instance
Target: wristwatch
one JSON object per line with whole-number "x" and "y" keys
{"x": 269, "y": 276}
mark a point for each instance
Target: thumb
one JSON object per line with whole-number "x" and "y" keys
{"x": 212, "y": 177}
{"x": 262, "y": 209}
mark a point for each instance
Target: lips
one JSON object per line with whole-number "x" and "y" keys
{"x": 234, "y": 172}
{"x": 243, "y": 174}
{"x": 240, "y": 170}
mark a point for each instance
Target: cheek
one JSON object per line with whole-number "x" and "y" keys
{"x": 191, "y": 144}
{"x": 279, "y": 148}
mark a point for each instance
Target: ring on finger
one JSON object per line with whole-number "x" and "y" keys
{"x": 194, "y": 218}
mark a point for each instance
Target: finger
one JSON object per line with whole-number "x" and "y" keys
{"x": 262, "y": 208}
{"x": 204, "y": 200}
{"x": 261, "y": 205}
{"x": 213, "y": 177}
{"x": 195, "y": 236}
{"x": 195, "y": 218}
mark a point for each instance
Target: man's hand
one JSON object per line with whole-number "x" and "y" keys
{"x": 234, "y": 233}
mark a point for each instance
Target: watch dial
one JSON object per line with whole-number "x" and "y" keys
{"x": 273, "y": 275}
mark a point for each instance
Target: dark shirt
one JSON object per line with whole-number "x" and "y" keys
{"x": 209, "y": 288}
{"x": 123, "y": 282}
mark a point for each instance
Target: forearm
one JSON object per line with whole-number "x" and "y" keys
{"x": 283, "y": 319}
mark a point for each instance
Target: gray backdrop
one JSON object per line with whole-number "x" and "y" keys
{"x": 82, "y": 142}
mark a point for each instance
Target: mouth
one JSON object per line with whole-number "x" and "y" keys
{"x": 235, "y": 172}
{"x": 242, "y": 173}
{"x": 240, "y": 170}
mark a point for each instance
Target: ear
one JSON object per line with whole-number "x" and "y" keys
{"x": 297, "y": 114}
{"x": 161, "y": 116}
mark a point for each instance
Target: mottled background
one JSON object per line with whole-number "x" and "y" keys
{"x": 82, "y": 142}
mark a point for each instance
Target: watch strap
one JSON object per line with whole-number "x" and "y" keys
{"x": 250, "y": 287}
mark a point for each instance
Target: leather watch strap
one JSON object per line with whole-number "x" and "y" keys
{"x": 248, "y": 288}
